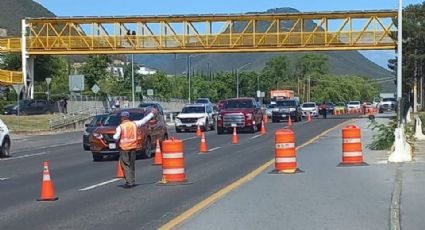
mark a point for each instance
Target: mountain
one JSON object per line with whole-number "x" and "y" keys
{"x": 340, "y": 62}
{"x": 13, "y": 11}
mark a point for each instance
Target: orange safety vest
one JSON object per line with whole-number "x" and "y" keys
{"x": 128, "y": 137}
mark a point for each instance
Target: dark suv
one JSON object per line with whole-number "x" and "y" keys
{"x": 283, "y": 109}
{"x": 29, "y": 107}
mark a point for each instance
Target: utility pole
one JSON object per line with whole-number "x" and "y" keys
{"x": 237, "y": 77}
{"x": 132, "y": 80}
{"x": 399, "y": 57}
{"x": 309, "y": 88}
{"x": 415, "y": 85}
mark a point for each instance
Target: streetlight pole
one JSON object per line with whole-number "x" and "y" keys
{"x": 132, "y": 78}
{"x": 189, "y": 66}
{"x": 237, "y": 77}
{"x": 399, "y": 54}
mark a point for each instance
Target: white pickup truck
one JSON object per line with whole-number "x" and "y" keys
{"x": 195, "y": 115}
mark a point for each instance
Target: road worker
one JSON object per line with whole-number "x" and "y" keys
{"x": 126, "y": 134}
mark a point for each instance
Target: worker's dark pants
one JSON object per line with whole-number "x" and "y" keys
{"x": 128, "y": 161}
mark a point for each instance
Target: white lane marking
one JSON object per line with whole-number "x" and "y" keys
{"x": 256, "y": 136}
{"x": 4, "y": 178}
{"x": 24, "y": 156}
{"x": 213, "y": 149}
{"x": 190, "y": 138}
{"x": 100, "y": 184}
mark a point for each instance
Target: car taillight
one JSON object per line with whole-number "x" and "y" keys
{"x": 98, "y": 135}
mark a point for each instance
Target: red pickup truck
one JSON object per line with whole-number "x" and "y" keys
{"x": 242, "y": 113}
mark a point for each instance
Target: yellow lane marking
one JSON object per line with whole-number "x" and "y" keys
{"x": 221, "y": 193}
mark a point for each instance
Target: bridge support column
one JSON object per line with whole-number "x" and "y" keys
{"x": 27, "y": 64}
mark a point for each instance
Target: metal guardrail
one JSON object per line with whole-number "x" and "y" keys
{"x": 73, "y": 118}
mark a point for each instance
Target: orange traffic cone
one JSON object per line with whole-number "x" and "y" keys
{"x": 47, "y": 191}
{"x": 120, "y": 172}
{"x": 198, "y": 131}
{"x": 289, "y": 121}
{"x": 309, "y": 117}
{"x": 235, "y": 138}
{"x": 158, "y": 154}
{"x": 263, "y": 129}
{"x": 203, "y": 146}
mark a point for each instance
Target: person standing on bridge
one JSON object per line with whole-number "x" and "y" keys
{"x": 126, "y": 134}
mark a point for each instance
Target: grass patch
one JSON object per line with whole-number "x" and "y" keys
{"x": 28, "y": 123}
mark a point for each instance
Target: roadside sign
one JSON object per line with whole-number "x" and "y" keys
{"x": 76, "y": 83}
{"x": 258, "y": 93}
{"x": 263, "y": 94}
{"x": 138, "y": 89}
{"x": 149, "y": 92}
{"x": 18, "y": 88}
{"x": 48, "y": 80}
{"x": 95, "y": 89}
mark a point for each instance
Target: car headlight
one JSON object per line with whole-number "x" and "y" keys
{"x": 177, "y": 120}
{"x": 291, "y": 109}
{"x": 98, "y": 135}
{"x": 275, "y": 109}
{"x": 248, "y": 116}
{"x": 201, "y": 120}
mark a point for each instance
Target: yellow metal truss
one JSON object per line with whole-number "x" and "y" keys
{"x": 364, "y": 30}
{"x": 10, "y": 77}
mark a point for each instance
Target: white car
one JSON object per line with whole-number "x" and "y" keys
{"x": 310, "y": 107}
{"x": 354, "y": 105}
{"x": 195, "y": 115}
{"x": 5, "y": 140}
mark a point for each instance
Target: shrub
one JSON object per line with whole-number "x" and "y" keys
{"x": 384, "y": 138}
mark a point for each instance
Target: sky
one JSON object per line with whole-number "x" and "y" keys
{"x": 167, "y": 7}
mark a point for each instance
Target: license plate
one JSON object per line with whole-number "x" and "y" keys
{"x": 112, "y": 146}
{"x": 284, "y": 115}
{"x": 188, "y": 125}
{"x": 234, "y": 125}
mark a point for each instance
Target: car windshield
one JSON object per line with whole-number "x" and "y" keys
{"x": 285, "y": 103}
{"x": 114, "y": 119}
{"x": 389, "y": 99}
{"x": 330, "y": 104}
{"x": 309, "y": 105}
{"x": 340, "y": 104}
{"x": 271, "y": 106}
{"x": 98, "y": 120}
{"x": 243, "y": 104}
{"x": 24, "y": 102}
{"x": 354, "y": 103}
{"x": 194, "y": 109}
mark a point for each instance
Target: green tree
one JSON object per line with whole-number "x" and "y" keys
{"x": 413, "y": 45}
{"x": 312, "y": 64}
{"x": 95, "y": 69}
{"x": 277, "y": 71}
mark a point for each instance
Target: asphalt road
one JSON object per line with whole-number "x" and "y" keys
{"x": 85, "y": 202}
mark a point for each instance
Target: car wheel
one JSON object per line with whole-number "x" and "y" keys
{"x": 5, "y": 148}
{"x": 147, "y": 150}
{"x": 97, "y": 156}
{"x": 253, "y": 129}
{"x": 220, "y": 130}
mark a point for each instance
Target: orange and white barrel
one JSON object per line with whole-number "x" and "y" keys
{"x": 351, "y": 145}
{"x": 285, "y": 153}
{"x": 173, "y": 168}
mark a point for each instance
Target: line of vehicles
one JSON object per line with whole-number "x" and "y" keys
{"x": 244, "y": 114}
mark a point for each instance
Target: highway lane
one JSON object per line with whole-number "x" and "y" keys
{"x": 148, "y": 205}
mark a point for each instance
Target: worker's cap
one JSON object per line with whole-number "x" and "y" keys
{"x": 125, "y": 114}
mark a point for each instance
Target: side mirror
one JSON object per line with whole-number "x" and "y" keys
{"x": 153, "y": 122}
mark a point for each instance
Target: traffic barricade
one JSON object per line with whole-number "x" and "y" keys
{"x": 285, "y": 152}
{"x": 173, "y": 167}
{"x": 352, "y": 147}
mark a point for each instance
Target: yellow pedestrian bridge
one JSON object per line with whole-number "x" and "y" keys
{"x": 318, "y": 31}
